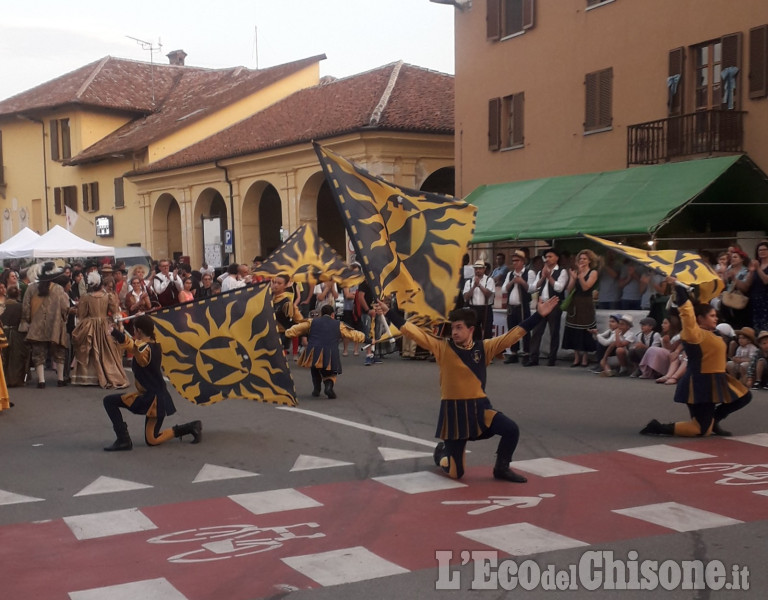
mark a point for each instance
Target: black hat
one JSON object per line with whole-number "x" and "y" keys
{"x": 49, "y": 271}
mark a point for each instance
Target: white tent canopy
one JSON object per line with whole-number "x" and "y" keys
{"x": 57, "y": 243}
{"x": 23, "y": 238}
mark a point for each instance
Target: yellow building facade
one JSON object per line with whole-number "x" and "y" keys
{"x": 561, "y": 87}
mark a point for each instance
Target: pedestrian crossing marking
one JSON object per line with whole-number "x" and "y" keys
{"x": 346, "y": 565}
{"x": 758, "y": 439}
{"x": 272, "y": 501}
{"x": 666, "y": 453}
{"x": 217, "y": 473}
{"x": 550, "y": 467}
{"x": 108, "y": 485}
{"x": 419, "y": 482}
{"x": 308, "y": 463}
{"x": 106, "y": 524}
{"x": 149, "y": 589}
{"x": 398, "y": 454}
{"x": 11, "y": 498}
{"x": 677, "y": 517}
{"x": 522, "y": 539}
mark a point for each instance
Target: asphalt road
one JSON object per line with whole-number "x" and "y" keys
{"x": 51, "y": 441}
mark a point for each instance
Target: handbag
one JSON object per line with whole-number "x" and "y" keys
{"x": 735, "y": 300}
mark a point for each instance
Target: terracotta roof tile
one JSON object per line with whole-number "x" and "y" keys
{"x": 420, "y": 101}
{"x": 196, "y": 94}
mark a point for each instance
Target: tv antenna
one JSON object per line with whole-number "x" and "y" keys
{"x": 145, "y": 45}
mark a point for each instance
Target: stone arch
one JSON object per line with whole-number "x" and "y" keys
{"x": 308, "y": 200}
{"x": 330, "y": 225}
{"x": 442, "y": 181}
{"x": 270, "y": 219}
{"x": 166, "y": 228}
{"x": 210, "y": 203}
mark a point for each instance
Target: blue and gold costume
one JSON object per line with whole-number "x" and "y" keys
{"x": 150, "y": 399}
{"x": 710, "y": 393}
{"x": 465, "y": 411}
{"x": 322, "y": 352}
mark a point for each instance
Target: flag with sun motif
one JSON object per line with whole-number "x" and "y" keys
{"x": 688, "y": 267}
{"x": 225, "y": 346}
{"x": 411, "y": 242}
{"x": 305, "y": 257}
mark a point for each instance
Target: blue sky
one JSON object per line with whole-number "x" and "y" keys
{"x": 42, "y": 39}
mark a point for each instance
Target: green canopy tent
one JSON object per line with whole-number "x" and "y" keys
{"x": 684, "y": 200}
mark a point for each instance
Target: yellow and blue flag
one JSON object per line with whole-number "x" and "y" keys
{"x": 305, "y": 257}
{"x": 411, "y": 242}
{"x": 687, "y": 267}
{"x": 225, "y": 346}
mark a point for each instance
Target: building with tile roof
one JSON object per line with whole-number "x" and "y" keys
{"x": 177, "y": 155}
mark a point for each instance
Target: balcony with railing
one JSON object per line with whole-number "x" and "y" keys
{"x": 703, "y": 132}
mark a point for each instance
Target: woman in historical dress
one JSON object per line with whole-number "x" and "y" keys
{"x": 98, "y": 358}
{"x": 16, "y": 355}
{"x": 580, "y": 314}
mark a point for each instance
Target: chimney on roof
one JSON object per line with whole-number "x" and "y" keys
{"x": 177, "y": 57}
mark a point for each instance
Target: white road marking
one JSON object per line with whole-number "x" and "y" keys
{"x": 398, "y": 454}
{"x": 419, "y": 482}
{"x": 217, "y": 473}
{"x": 521, "y": 539}
{"x": 665, "y": 453}
{"x": 308, "y": 463}
{"x": 346, "y": 565}
{"x": 150, "y": 589}
{"x": 107, "y": 485}
{"x": 272, "y": 501}
{"x": 376, "y": 430}
{"x": 678, "y": 517}
{"x": 115, "y": 522}
{"x": 550, "y": 467}
{"x": 758, "y": 439}
{"x": 11, "y": 498}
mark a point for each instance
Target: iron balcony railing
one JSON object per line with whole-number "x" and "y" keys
{"x": 703, "y": 132}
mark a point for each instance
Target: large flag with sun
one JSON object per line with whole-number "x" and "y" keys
{"x": 688, "y": 267}
{"x": 305, "y": 257}
{"x": 411, "y": 242}
{"x": 225, "y": 346}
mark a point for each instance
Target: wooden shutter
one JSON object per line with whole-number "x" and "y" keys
{"x": 758, "y": 62}
{"x": 95, "y": 195}
{"x": 57, "y": 208}
{"x": 605, "y": 101}
{"x": 494, "y": 123}
{"x": 528, "y": 13}
{"x": 66, "y": 147}
{"x": 493, "y": 20}
{"x": 70, "y": 197}
{"x": 119, "y": 193}
{"x": 677, "y": 67}
{"x": 518, "y": 137}
{"x": 86, "y": 203}
{"x": 590, "y": 101}
{"x": 54, "y": 129}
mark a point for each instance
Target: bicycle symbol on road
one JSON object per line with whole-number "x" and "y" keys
{"x": 231, "y": 541}
{"x": 737, "y": 474}
{"x": 496, "y": 502}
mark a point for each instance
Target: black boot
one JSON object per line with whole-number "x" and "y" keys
{"x": 502, "y": 471}
{"x": 194, "y": 428}
{"x": 439, "y": 453}
{"x": 123, "y": 441}
{"x": 656, "y": 428}
{"x": 316, "y": 381}
{"x": 329, "y": 389}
